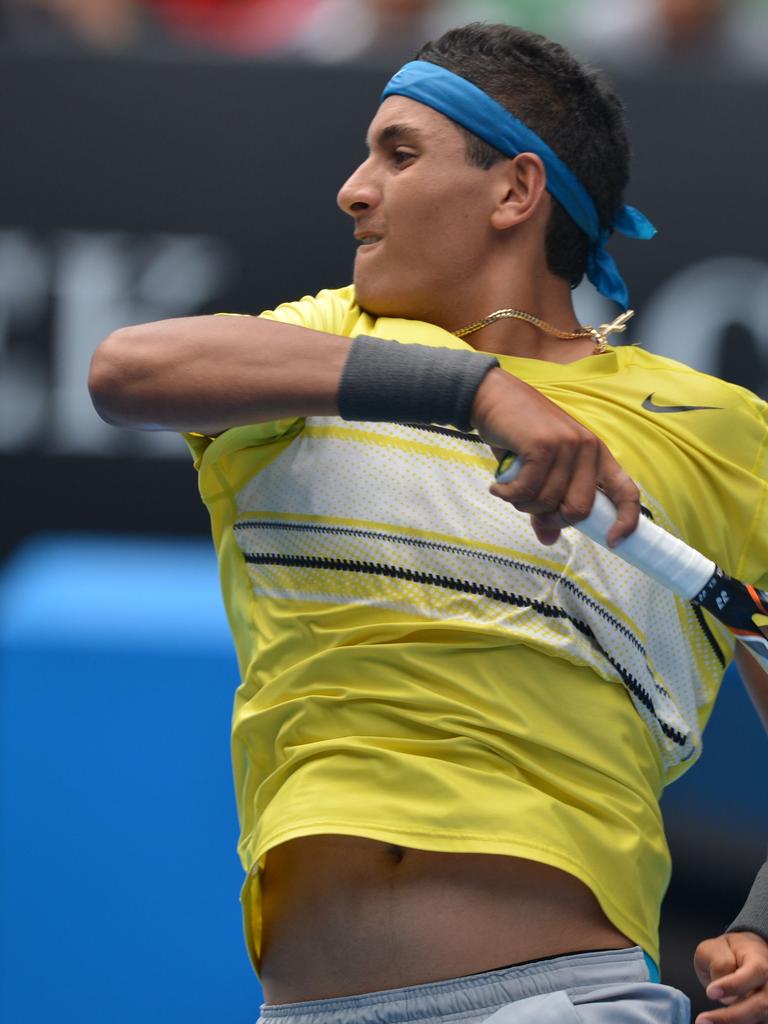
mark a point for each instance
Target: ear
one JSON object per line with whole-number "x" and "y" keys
{"x": 522, "y": 191}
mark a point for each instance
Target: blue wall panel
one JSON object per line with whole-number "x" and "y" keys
{"x": 725, "y": 791}
{"x": 119, "y": 882}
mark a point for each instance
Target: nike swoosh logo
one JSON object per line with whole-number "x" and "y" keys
{"x": 651, "y": 407}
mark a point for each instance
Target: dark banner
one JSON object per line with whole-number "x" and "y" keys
{"x": 136, "y": 190}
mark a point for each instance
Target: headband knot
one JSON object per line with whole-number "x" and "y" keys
{"x": 467, "y": 105}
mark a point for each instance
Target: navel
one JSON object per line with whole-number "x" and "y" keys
{"x": 397, "y": 853}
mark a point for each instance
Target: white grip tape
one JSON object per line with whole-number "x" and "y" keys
{"x": 658, "y": 554}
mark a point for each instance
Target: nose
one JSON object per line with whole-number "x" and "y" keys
{"x": 359, "y": 192}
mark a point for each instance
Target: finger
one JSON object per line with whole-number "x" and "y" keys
{"x": 526, "y": 487}
{"x": 752, "y": 975}
{"x": 624, "y": 493}
{"x": 753, "y": 1010}
{"x": 554, "y": 487}
{"x": 713, "y": 959}
{"x": 580, "y": 496}
{"x": 547, "y": 527}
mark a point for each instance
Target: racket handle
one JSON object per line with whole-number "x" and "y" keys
{"x": 658, "y": 554}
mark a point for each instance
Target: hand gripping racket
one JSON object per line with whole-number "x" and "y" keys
{"x": 677, "y": 566}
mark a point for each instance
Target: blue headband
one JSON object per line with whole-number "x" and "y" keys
{"x": 474, "y": 109}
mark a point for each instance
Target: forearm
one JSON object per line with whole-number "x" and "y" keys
{"x": 210, "y": 373}
{"x": 207, "y": 374}
{"x": 753, "y": 916}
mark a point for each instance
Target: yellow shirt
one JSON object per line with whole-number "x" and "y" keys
{"x": 417, "y": 669}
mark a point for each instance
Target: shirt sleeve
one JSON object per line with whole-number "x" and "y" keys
{"x": 333, "y": 311}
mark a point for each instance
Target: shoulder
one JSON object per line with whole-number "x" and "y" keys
{"x": 669, "y": 383}
{"x": 333, "y": 310}
{"x": 336, "y": 311}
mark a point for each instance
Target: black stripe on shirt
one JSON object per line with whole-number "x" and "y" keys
{"x": 468, "y": 587}
{"x": 509, "y": 563}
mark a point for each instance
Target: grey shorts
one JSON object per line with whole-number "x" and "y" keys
{"x": 605, "y": 987}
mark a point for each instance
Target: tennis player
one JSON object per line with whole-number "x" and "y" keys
{"x": 453, "y": 729}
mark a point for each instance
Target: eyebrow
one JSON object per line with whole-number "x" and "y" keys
{"x": 401, "y": 132}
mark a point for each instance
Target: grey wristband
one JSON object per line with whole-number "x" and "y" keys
{"x": 753, "y": 916}
{"x": 385, "y": 381}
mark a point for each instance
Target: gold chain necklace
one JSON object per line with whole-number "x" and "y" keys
{"x": 598, "y": 334}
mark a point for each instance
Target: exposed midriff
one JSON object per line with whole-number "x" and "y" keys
{"x": 343, "y": 915}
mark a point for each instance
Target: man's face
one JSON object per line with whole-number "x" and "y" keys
{"x": 422, "y": 215}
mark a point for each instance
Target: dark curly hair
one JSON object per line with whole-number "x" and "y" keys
{"x": 569, "y": 105}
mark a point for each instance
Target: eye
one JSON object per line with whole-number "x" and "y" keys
{"x": 401, "y": 157}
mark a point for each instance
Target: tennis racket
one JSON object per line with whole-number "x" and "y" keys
{"x": 677, "y": 566}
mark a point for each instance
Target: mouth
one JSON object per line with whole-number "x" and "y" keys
{"x": 366, "y": 241}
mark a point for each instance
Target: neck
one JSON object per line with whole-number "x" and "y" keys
{"x": 549, "y": 301}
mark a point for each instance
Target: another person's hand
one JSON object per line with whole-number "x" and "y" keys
{"x": 563, "y": 462}
{"x": 733, "y": 968}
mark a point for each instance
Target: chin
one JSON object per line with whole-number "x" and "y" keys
{"x": 395, "y": 304}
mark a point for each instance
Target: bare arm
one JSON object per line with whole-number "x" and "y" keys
{"x": 209, "y": 373}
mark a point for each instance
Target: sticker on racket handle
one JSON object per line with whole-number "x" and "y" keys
{"x": 677, "y": 566}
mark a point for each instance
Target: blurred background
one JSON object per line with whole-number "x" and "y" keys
{"x": 173, "y": 157}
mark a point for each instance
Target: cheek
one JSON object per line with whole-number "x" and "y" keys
{"x": 435, "y": 239}
{"x": 457, "y": 215}
{"x": 450, "y": 239}
{"x": 444, "y": 220}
